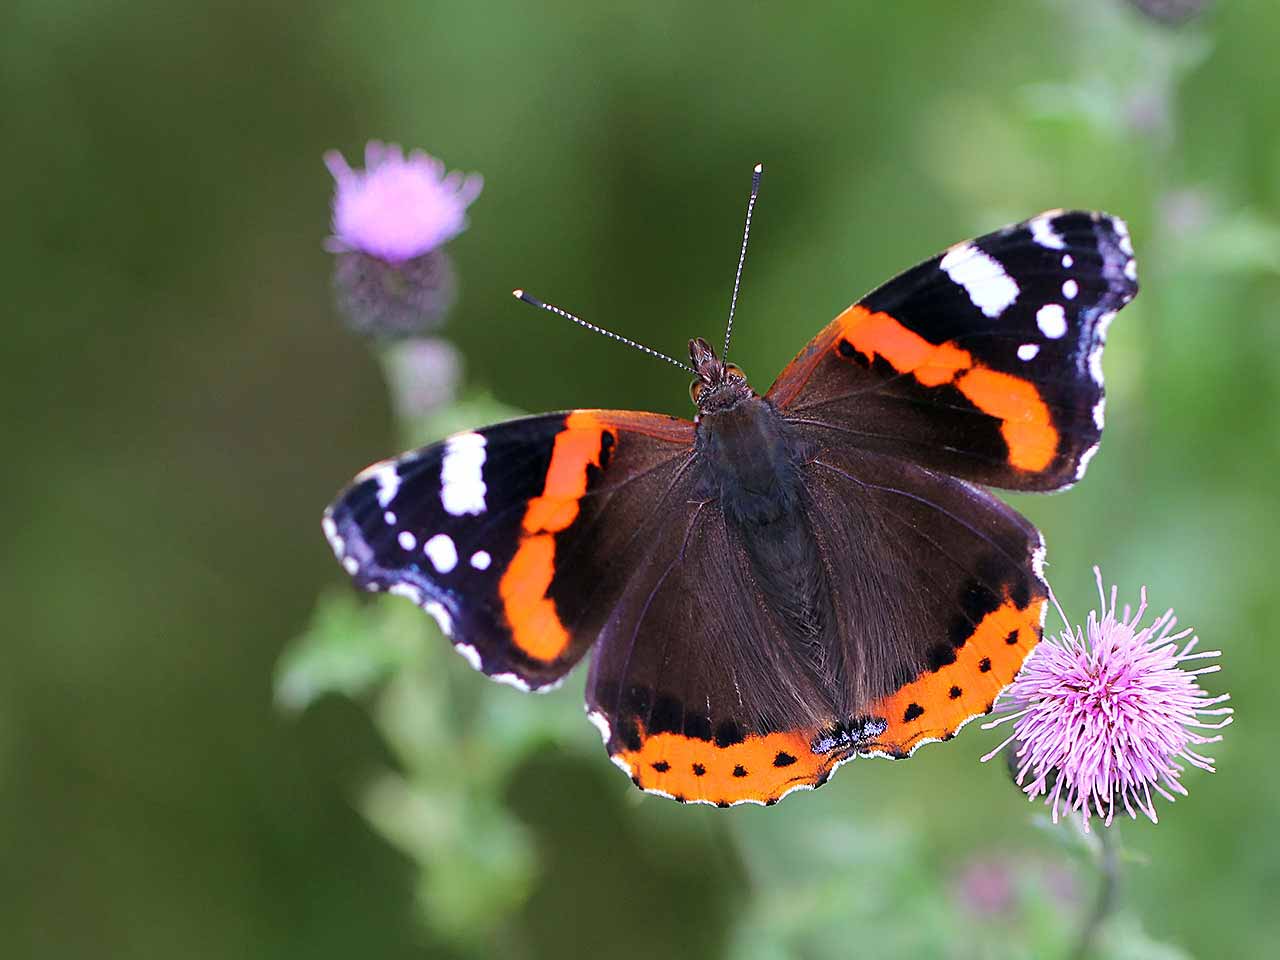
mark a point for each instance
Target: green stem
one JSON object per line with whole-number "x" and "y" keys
{"x": 1108, "y": 894}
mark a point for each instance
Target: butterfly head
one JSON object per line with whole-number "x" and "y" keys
{"x": 720, "y": 386}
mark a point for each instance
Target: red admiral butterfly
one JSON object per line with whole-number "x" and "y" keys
{"x": 790, "y": 580}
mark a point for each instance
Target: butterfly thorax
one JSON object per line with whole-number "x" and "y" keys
{"x": 748, "y": 460}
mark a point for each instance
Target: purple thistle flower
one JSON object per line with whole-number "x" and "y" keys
{"x": 1110, "y": 713}
{"x": 389, "y": 222}
{"x": 397, "y": 208}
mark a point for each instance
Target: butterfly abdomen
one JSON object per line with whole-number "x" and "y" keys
{"x": 751, "y": 456}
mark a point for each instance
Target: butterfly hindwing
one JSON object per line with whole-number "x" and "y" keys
{"x": 493, "y": 531}
{"x": 983, "y": 362}
{"x": 953, "y": 603}
{"x": 709, "y": 695}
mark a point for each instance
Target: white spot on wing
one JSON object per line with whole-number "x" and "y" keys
{"x": 443, "y": 554}
{"x": 1084, "y": 461}
{"x": 469, "y": 654}
{"x": 1068, "y": 260}
{"x": 511, "y": 680}
{"x": 407, "y": 540}
{"x": 462, "y": 488}
{"x": 386, "y": 475}
{"x": 1104, "y": 323}
{"x": 1131, "y": 270}
{"x": 336, "y": 543}
{"x": 983, "y": 279}
{"x": 480, "y": 560}
{"x": 409, "y": 591}
{"x": 1052, "y": 320}
{"x": 1042, "y": 233}
{"x": 349, "y": 564}
{"x": 601, "y": 723}
{"x": 1100, "y": 413}
{"x": 390, "y": 517}
{"x": 443, "y": 621}
{"x": 1069, "y": 289}
{"x": 1028, "y": 351}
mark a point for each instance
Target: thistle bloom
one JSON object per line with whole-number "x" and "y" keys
{"x": 397, "y": 208}
{"x": 1110, "y": 714}
{"x": 390, "y": 221}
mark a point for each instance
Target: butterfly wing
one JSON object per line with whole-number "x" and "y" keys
{"x": 696, "y": 689}
{"x": 935, "y": 601}
{"x": 941, "y": 619}
{"x": 983, "y": 362}
{"x": 512, "y": 536}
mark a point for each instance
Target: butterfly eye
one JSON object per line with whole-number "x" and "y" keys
{"x": 733, "y": 370}
{"x": 695, "y": 390}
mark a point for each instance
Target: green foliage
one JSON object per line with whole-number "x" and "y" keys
{"x": 184, "y": 400}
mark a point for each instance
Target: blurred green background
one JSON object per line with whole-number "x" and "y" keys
{"x": 181, "y": 400}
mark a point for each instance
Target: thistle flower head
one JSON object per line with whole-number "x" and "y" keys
{"x": 1111, "y": 714}
{"x": 397, "y": 208}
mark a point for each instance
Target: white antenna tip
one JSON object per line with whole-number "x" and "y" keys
{"x": 759, "y": 168}
{"x": 518, "y": 293}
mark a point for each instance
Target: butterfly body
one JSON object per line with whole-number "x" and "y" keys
{"x": 789, "y": 580}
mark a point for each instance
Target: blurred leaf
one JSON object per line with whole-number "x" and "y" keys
{"x": 349, "y": 647}
{"x": 477, "y": 863}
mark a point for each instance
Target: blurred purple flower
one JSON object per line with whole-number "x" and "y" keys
{"x": 1110, "y": 713}
{"x": 389, "y": 220}
{"x": 987, "y": 887}
{"x": 1171, "y": 12}
{"x": 397, "y": 208}
{"x": 990, "y": 887}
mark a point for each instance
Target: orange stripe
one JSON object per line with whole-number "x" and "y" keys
{"x": 907, "y": 351}
{"x": 760, "y": 768}
{"x": 938, "y": 702}
{"x": 1026, "y": 425}
{"x": 535, "y": 626}
{"x": 1027, "y": 429}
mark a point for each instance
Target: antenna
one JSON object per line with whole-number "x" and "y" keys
{"x": 534, "y": 301}
{"x": 742, "y": 256}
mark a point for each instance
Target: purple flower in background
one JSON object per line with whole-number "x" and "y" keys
{"x": 397, "y": 208}
{"x": 390, "y": 221}
{"x": 1109, "y": 714}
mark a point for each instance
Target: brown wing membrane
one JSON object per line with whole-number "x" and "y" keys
{"x": 696, "y": 689}
{"x": 934, "y": 601}
{"x": 941, "y": 619}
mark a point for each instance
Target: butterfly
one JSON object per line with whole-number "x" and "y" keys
{"x": 788, "y": 581}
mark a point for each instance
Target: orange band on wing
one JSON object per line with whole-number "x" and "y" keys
{"x": 759, "y": 768}
{"x": 535, "y": 626}
{"x": 937, "y": 703}
{"x": 1024, "y": 419}
{"x": 1026, "y": 426}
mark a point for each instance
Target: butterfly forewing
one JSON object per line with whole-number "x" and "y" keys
{"x": 514, "y": 537}
{"x": 983, "y": 362}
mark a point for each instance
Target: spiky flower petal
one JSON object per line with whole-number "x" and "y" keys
{"x": 1111, "y": 714}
